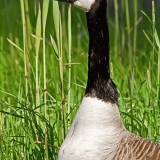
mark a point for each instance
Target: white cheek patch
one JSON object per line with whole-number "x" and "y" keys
{"x": 84, "y": 4}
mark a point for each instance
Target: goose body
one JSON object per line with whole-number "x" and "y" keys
{"x": 97, "y": 131}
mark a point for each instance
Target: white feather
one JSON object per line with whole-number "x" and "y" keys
{"x": 84, "y": 4}
{"x": 95, "y": 132}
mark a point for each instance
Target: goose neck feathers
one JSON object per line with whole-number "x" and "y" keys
{"x": 99, "y": 82}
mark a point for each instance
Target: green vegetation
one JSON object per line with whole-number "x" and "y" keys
{"x": 43, "y": 73}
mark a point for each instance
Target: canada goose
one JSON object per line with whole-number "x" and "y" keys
{"x": 97, "y": 132}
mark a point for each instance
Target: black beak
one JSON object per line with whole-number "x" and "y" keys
{"x": 67, "y": 1}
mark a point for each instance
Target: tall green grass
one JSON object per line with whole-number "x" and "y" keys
{"x": 43, "y": 73}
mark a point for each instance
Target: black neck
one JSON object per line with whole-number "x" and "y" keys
{"x": 99, "y": 82}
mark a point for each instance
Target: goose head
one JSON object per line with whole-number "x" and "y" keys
{"x": 85, "y": 5}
